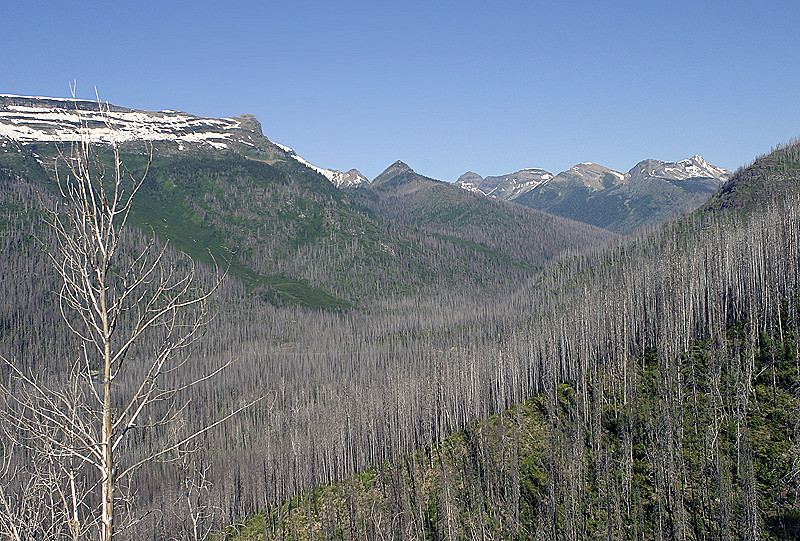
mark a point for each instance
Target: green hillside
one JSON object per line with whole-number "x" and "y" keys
{"x": 293, "y": 238}
{"x": 525, "y": 237}
{"x": 769, "y": 178}
{"x": 193, "y": 203}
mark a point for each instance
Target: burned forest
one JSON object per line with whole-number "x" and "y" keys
{"x": 401, "y": 360}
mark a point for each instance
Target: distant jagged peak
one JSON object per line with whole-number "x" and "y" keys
{"x": 394, "y": 170}
{"x": 697, "y": 166}
{"x": 399, "y": 167}
{"x": 696, "y": 159}
{"x": 471, "y": 182}
{"x": 469, "y": 176}
{"x": 341, "y": 180}
{"x": 506, "y": 186}
{"x": 349, "y": 179}
{"x": 694, "y": 167}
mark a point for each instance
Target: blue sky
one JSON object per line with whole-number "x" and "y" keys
{"x": 444, "y": 86}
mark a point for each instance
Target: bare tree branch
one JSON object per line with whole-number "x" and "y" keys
{"x": 132, "y": 312}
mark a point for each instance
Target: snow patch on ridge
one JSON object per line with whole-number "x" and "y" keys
{"x": 30, "y": 123}
{"x": 327, "y": 173}
{"x": 30, "y": 119}
{"x": 336, "y": 177}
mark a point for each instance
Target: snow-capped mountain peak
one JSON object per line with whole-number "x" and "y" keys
{"x": 36, "y": 119}
{"x": 506, "y": 186}
{"x": 696, "y": 166}
{"x": 689, "y": 168}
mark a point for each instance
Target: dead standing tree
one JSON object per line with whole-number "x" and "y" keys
{"x": 134, "y": 315}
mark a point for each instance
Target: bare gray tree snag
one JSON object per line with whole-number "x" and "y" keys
{"x": 134, "y": 311}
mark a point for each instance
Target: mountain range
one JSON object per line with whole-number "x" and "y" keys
{"x": 527, "y": 236}
{"x": 438, "y": 364}
{"x": 218, "y": 189}
{"x": 650, "y": 193}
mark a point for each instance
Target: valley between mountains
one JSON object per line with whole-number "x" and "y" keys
{"x": 588, "y": 354}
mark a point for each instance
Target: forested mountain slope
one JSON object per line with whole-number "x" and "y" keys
{"x": 218, "y": 190}
{"x": 654, "y": 384}
{"x": 770, "y": 177}
{"x": 528, "y": 236}
{"x": 664, "y": 378}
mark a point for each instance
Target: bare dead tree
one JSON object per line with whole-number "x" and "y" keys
{"x": 193, "y": 508}
{"x": 25, "y": 510}
{"x": 134, "y": 313}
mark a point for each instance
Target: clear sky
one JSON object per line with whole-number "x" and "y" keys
{"x": 446, "y": 87}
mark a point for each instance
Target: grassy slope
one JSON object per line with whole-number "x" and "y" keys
{"x": 771, "y": 176}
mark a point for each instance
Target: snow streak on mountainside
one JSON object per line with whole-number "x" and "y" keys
{"x": 694, "y": 167}
{"x": 504, "y": 187}
{"x": 27, "y": 119}
{"x": 30, "y": 119}
{"x": 338, "y": 178}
